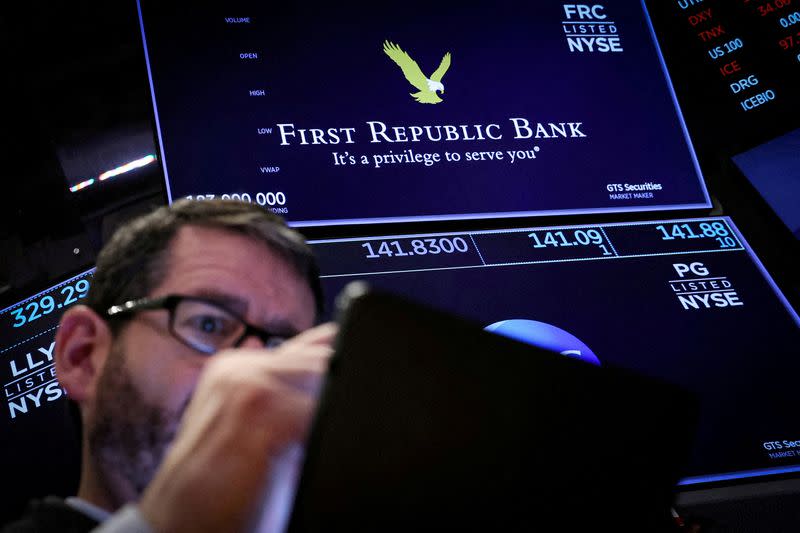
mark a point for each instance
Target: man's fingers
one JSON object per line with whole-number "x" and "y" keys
{"x": 305, "y": 370}
{"x": 322, "y": 334}
{"x": 300, "y": 362}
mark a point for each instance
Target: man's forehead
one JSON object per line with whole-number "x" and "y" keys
{"x": 236, "y": 270}
{"x": 197, "y": 245}
{"x": 193, "y": 234}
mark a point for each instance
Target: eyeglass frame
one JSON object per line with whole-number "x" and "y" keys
{"x": 171, "y": 301}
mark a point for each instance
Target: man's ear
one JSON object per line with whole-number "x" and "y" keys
{"x": 83, "y": 341}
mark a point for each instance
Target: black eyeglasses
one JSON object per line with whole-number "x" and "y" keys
{"x": 200, "y": 323}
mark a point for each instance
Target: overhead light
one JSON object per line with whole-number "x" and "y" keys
{"x": 81, "y": 185}
{"x": 127, "y": 167}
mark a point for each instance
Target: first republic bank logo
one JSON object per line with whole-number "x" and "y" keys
{"x": 588, "y": 29}
{"x": 426, "y": 87}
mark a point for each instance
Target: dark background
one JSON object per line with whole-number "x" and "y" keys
{"x": 78, "y": 104}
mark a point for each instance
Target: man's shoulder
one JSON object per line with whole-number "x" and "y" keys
{"x": 51, "y": 514}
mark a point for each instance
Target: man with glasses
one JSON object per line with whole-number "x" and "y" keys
{"x": 194, "y": 365}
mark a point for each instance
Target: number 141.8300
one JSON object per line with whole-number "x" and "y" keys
{"x": 402, "y": 248}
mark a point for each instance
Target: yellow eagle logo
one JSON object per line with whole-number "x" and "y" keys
{"x": 428, "y": 87}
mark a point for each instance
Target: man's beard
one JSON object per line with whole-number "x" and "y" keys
{"x": 128, "y": 437}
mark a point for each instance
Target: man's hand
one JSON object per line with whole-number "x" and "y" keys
{"x": 249, "y": 407}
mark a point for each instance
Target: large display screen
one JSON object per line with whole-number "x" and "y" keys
{"x": 40, "y": 446}
{"x": 27, "y": 339}
{"x": 737, "y": 72}
{"x": 682, "y": 300}
{"x": 363, "y": 112}
{"x": 739, "y": 60}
